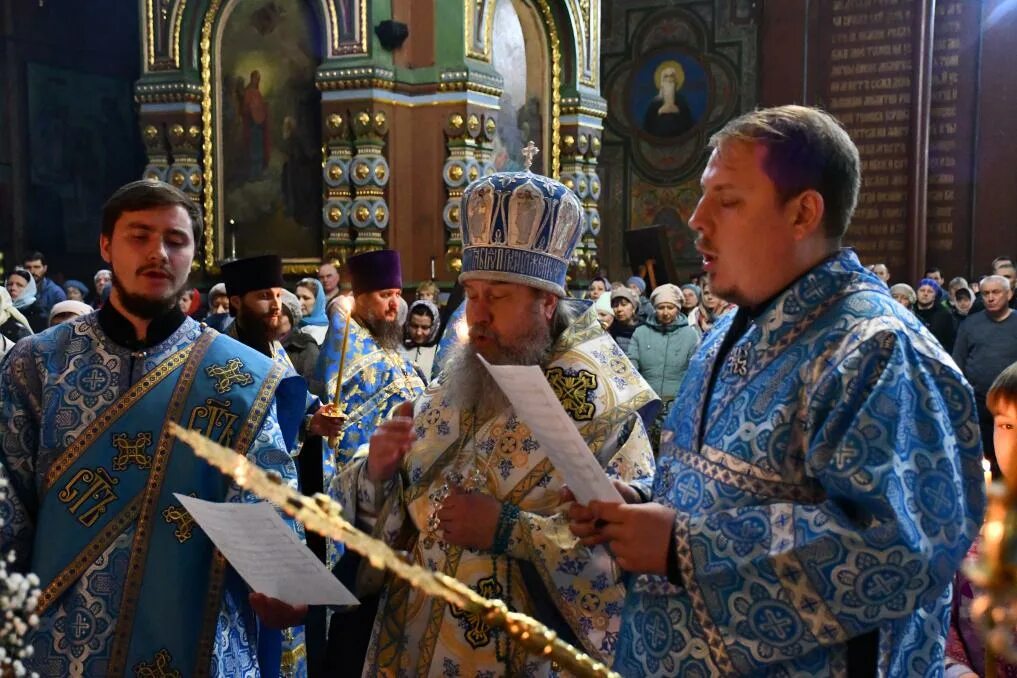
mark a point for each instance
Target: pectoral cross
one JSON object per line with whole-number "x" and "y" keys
{"x": 529, "y": 153}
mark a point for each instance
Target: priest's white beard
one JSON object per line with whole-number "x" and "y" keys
{"x": 471, "y": 385}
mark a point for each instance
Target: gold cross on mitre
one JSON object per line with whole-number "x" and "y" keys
{"x": 529, "y": 153}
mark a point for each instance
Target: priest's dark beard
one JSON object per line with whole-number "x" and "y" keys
{"x": 388, "y": 333}
{"x": 142, "y": 306}
{"x": 471, "y": 385}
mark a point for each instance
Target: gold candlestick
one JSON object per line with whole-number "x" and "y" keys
{"x": 323, "y": 515}
{"x": 336, "y": 409}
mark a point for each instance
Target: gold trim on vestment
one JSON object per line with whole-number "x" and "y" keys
{"x": 88, "y": 555}
{"x": 139, "y": 550}
{"x": 111, "y": 414}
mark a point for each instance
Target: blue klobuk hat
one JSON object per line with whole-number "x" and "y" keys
{"x": 520, "y": 227}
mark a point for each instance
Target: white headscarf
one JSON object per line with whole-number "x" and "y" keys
{"x": 7, "y": 309}
{"x": 27, "y": 296}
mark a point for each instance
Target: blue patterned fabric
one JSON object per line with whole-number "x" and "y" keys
{"x": 828, "y": 487}
{"x": 53, "y": 387}
{"x": 449, "y": 338}
{"x": 375, "y": 380}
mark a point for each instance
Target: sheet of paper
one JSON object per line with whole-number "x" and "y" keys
{"x": 531, "y": 396}
{"x": 267, "y": 553}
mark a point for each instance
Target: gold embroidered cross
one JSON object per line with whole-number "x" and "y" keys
{"x": 229, "y": 374}
{"x": 184, "y": 522}
{"x": 573, "y": 391}
{"x": 132, "y": 451}
{"x": 159, "y": 668}
{"x": 478, "y": 633}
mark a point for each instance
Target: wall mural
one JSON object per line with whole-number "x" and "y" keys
{"x": 268, "y": 115}
{"x": 674, "y": 73}
{"x": 523, "y": 100}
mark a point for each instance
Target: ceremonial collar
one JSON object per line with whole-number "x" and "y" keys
{"x": 121, "y": 331}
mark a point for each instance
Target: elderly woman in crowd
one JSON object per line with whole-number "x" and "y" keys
{"x": 67, "y": 310}
{"x": 102, "y": 280}
{"x": 301, "y": 347}
{"x": 904, "y": 295}
{"x": 76, "y": 290}
{"x": 661, "y": 350}
{"x": 21, "y": 286}
{"x": 13, "y": 324}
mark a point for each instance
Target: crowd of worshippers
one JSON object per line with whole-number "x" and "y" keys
{"x": 798, "y": 458}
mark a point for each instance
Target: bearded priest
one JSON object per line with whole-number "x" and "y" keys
{"x": 459, "y": 482}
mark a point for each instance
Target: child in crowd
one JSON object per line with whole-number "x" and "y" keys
{"x": 965, "y": 648}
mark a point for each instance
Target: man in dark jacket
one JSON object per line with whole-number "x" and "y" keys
{"x": 934, "y": 314}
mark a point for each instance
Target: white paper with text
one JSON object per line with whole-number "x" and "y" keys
{"x": 267, "y": 553}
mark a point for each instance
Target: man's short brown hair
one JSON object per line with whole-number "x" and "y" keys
{"x": 147, "y": 194}
{"x": 806, "y": 148}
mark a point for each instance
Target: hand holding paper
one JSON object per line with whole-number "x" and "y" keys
{"x": 266, "y": 553}
{"x": 531, "y": 396}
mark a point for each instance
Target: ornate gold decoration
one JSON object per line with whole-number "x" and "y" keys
{"x": 161, "y": 667}
{"x": 361, "y": 170}
{"x": 455, "y": 172}
{"x": 380, "y": 119}
{"x": 490, "y": 127}
{"x": 574, "y": 391}
{"x": 595, "y": 145}
{"x": 132, "y": 450}
{"x": 151, "y": 132}
{"x": 363, "y": 118}
{"x": 214, "y": 419}
{"x": 380, "y": 172}
{"x": 363, "y": 213}
{"x": 568, "y": 141}
{"x": 322, "y": 515}
{"x": 177, "y": 131}
{"x": 195, "y": 178}
{"x": 96, "y": 486}
{"x": 473, "y": 124}
{"x": 206, "y": 127}
{"x": 178, "y": 515}
{"x": 177, "y": 178}
{"x": 472, "y": 8}
{"x": 473, "y": 173}
{"x": 335, "y": 121}
{"x": 552, "y": 34}
{"x": 334, "y": 172}
{"x": 229, "y": 374}
{"x": 453, "y": 214}
{"x": 335, "y": 214}
{"x": 379, "y": 212}
{"x": 194, "y": 132}
{"x": 455, "y": 121}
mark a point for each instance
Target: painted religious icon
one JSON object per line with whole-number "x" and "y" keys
{"x": 668, "y": 95}
{"x": 267, "y": 140}
{"x": 520, "y": 56}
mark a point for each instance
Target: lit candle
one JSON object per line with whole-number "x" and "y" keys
{"x": 432, "y": 269}
{"x": 987, "y": 472}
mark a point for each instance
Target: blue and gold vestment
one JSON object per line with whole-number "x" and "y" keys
{"x": 827, "y": 487}
{"x": 545, "y": 571}
{"x": 130, "y": 584}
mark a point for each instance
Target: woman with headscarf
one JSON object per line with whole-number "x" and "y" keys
{"x": 314, "y": 320}
{"x": 421, "y": 335}
{"x": 300, "y": 347}
{"x": 13, "y": 324}
{"x": 710, "y": 308}
{"x": 76, "y": 290}
{"x": 21, "y": 286}
{"x": 904, "y": 295}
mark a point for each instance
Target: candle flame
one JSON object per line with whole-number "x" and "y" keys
{"x": 462, "y": 330}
